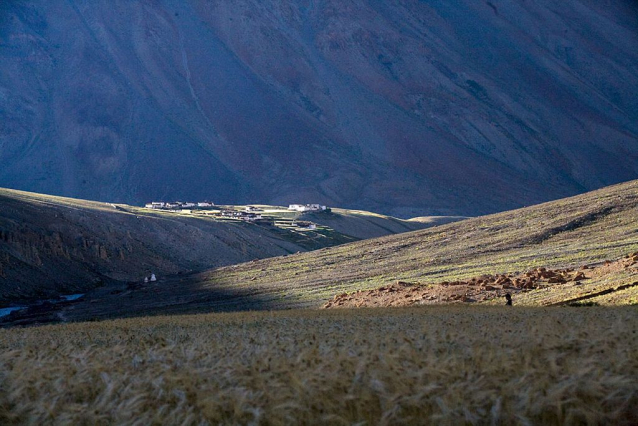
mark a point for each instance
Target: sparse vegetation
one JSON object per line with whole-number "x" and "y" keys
{"x": 54, "y": 245}
{"x": 586, "y": 229}
{"x": 538, "y": 287}
{"x": 427, "y": 365}
{"x": 569, "y": 233}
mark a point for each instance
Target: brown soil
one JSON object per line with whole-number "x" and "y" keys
{"x": 477, "y": 289}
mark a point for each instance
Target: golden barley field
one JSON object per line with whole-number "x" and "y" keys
{"x": 423, "y": 365}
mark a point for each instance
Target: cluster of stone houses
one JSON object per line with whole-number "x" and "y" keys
{"x": 249, "y": 214}
{"x": 304, "y": 224}
{"x": 246, "y": 216}
{"x": 177, "y": 205}
{"x": 307, "y": 207}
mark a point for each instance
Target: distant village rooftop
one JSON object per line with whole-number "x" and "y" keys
{"x": 177, "y": 205}
{"x": 249, "y": 214}
{"x": 307, "y": 207}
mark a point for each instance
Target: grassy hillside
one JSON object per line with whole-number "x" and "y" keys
{"x": 441, "y": 365}
{"x": 428, "y": 364}
{"x": 589, "y": 228}
{"x": 609, "y": 283}
{"x": 363, "y": 225}
{"x": 53, "y": 245}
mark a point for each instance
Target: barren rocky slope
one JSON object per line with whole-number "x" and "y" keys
{"x": 405, "y": 107}
{"x": 51, "y": 245}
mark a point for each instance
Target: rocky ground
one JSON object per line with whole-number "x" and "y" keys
{"x": 487, "y": 287}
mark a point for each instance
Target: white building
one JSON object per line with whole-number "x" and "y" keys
{"x": 306, "y": 207}
{"x": 205, "y": 204}
{"x": 156, "y": 205}
{"x": 175, "y": 205}
{"x": 305, "y": 225}
{"x": 231, "y": 213}
{"x": 250, "y": 217}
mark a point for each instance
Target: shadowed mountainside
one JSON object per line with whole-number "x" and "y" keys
{"x": 404, "y": 107}
{"x": 52, "y": 245}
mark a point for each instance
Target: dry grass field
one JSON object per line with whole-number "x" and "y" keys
{"x": 421, "y": 365}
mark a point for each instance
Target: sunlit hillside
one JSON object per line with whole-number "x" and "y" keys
{"x": 54, "y": 245}
{"x": 569, "y": 233}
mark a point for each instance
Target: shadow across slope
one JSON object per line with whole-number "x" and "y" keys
{"x": 567, "y": 233}
{"x": 404, "y": 107}
{"x": 53, "y": 245}
{"x": 589, "y": 228}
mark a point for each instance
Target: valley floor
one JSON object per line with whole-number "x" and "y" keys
{"x": 421, "y": 365}
{"x": 608, "y": 283}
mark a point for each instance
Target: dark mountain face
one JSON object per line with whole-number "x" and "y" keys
{"x": 402, "y": 106}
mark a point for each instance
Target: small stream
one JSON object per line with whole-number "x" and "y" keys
{"x": 71, "y": 297}
{"x": 6, "y": 311}
{"x": 63, "y": 298}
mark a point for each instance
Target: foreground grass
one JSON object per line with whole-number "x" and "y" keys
{"x": 442, "y": 365}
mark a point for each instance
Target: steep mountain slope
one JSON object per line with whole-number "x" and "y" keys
{"x": 405, "y": 107}
{"x": 52, "y": 245}
{"x": 586, "y": 229}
